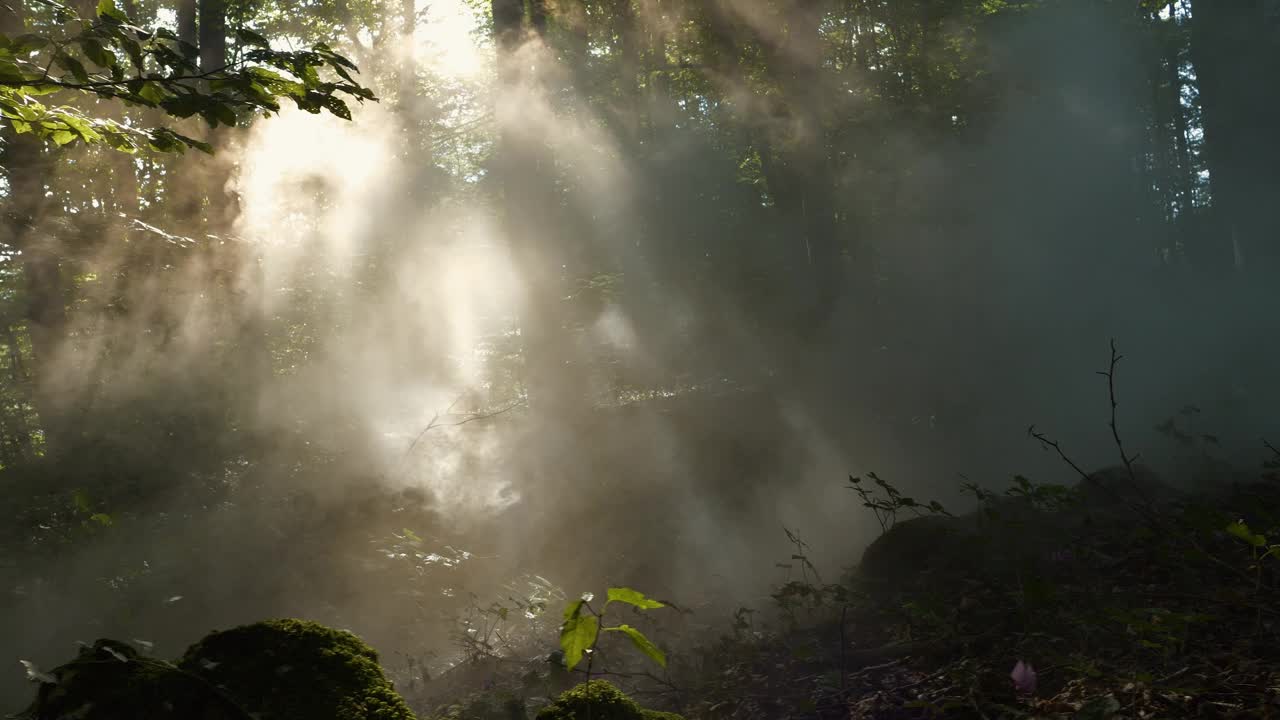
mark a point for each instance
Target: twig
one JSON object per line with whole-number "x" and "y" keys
{"x": 1145, "y": 508}
{"x": 1046, "y": 442}
{"x": 433, "y": 424}
{"x": 844, "y": 613}
{"x": 1110, "y": 375}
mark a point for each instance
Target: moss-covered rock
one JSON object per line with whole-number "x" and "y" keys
{"x": 1008, "y": 532}
{"x": 920, "y": 548}
{"x": 599, "y": 700}
{"x": 110, "y": 680}
{"x": 297, "y": 670}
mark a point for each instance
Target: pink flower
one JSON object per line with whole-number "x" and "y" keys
{"x": 1024, "y": 678}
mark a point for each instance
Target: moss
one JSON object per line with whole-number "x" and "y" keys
{"x": 111, "y": 680}
{"x": 297, "y": 670}
{"x": 599, "y": 700}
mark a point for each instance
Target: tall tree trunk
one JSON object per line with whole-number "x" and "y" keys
{"x": 799, "y": 173}
{"x": 187, "y": 32}
{"x": 213, "y": 35}
{"x": 522, "y": 173}
{"x": 1233, "y": 45}
{"x": 408, "y": 70}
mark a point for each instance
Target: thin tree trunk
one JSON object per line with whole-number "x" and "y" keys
{"x": 521, "y": 170}
{"x": 187, "y": 31}
{"x": 213, "y": 35}
{"x": 21, "y": 380}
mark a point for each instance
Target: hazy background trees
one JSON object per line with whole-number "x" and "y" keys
{"x": 655, "y": 274}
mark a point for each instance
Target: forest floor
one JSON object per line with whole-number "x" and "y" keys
{"x": 1116, "y": 598}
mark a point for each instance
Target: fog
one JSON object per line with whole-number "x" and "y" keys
{"x": 557, "y": 334}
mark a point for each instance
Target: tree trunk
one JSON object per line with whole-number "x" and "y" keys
{"x": 213, "y": 35}
{"x": 1232, "y": 46}
{"x": 528, "y": 190}
{"x": 800, "y": 175}
{"x": 408, "y": 71}
{"x": 187, "y": 32}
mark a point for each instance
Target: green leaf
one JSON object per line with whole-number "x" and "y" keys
{"x": 643, "y": 643}
{"x": 578, "y": 633}
{"x": 224, "y": 114}
{"x": 633, "y": 597}
{"x": 152, "y": 92}
{"x": 73, "y": 66}
{"x": 108, "y": 11}
{"x": 97, "y": 53}
{"x": 10, "y": 72}
{"x": 25, "y": 44}
{"x": 102, "y": 519}
{"x": 134, "y": 51}
{"x": 79, "y": 498}
{"x": 249, "y": 37}
{"x": 337, "y": 107}
{"x": 1242, "y": 531}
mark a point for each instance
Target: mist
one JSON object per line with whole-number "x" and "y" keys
{"x": 539, "y": 323}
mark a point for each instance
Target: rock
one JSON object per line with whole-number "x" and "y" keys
{"x": 297, "y": 670}
{"x": 920, "y": 548}
{"x": 1007, "y": 531}
{"x": 110, "y": 680}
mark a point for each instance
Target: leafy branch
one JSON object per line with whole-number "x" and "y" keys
{"x": 886, "y": 509}
{"x": 156, "y": 69}
{"x": 580, "y": 632}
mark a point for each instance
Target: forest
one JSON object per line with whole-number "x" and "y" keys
{"x": 639, "y": 359}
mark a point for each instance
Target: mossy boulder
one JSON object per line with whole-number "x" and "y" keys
{"x": 297, "y": 670}
{"x": 111, "y": 680}
{"x": 599, "y": 700}
{"x": 1007, "y": 532}
{"x": 919, "y": 548}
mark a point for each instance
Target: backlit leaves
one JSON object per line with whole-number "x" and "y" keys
{"x": 581, "y": 626}
{"x": 578, "y": 633}
{"x": 633, "y": 597}
{"x": 160, "y": 72}
{"x": 642, "y": 643}
{"x": 1241, "y": 530}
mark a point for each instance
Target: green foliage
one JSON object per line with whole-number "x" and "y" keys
{"x": 581, "y": 628}
{"x": 297, "y": 670}
{"x": 111, "y": 58}
{"x": 642, "y": 643}
{"x": 599, "y": 700}
{"x": 892, "y": 503}
{"x": 578, "y": 633}
{"x": 632, "y": 597}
